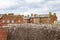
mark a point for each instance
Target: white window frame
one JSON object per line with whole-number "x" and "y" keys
{"x": 12, "y": 21}
{"x": 19, "y": 21}
{"x": 3, "y": 21}
{"x": 8, "y": 21}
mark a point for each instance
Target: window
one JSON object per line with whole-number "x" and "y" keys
{"x": 12, "y": 21}
{"x": 30, "y": 19}
{"x": 3, "y": 21}
{"x": 19, "y": 21}
{"x": 8, "y": 21}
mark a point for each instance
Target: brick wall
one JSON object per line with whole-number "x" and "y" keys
{"x": 3, "y": 34}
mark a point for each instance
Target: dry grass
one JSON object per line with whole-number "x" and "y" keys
{"x": 34, "y": 32}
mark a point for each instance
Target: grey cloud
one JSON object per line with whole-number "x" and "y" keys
{"x": 37, "y": 7}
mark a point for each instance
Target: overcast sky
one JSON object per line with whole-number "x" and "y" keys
{"x": 30, "y": 6}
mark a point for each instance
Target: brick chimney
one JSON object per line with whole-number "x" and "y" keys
{"x": 28, "y": 15}
{"x": 31, "y": 14}
{"x": 35, "y": 14}
{"x": 50, "y": 13}
{"x": 4, "y": 14}
{"x": 22, "y": 15}
{"x": 55, "y": 17}
{"x": 54, "y": 14}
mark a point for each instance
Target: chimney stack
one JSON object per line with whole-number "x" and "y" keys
{"x": 4, "y": 14}
{"x": 35, "y": 14}
{"x": 31, "y": 14}
{"x": 54, "y": 14}
{"x": 22, "y": 15}
{"x": 50, "y": 13}
{"x": 28, "y": 15}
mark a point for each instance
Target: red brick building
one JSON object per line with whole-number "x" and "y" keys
{"x": 10, "y": 18}
{"x": 42, "y": 18}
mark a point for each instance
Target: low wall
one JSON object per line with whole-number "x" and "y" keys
{"x": 3, "y": 34}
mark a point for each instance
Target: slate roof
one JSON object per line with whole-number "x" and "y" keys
{"x": 41, "y": 15}
{"x": 26, "y": 17}
{"x": 37, "y": 16}
{"x": 44, "y": 15}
